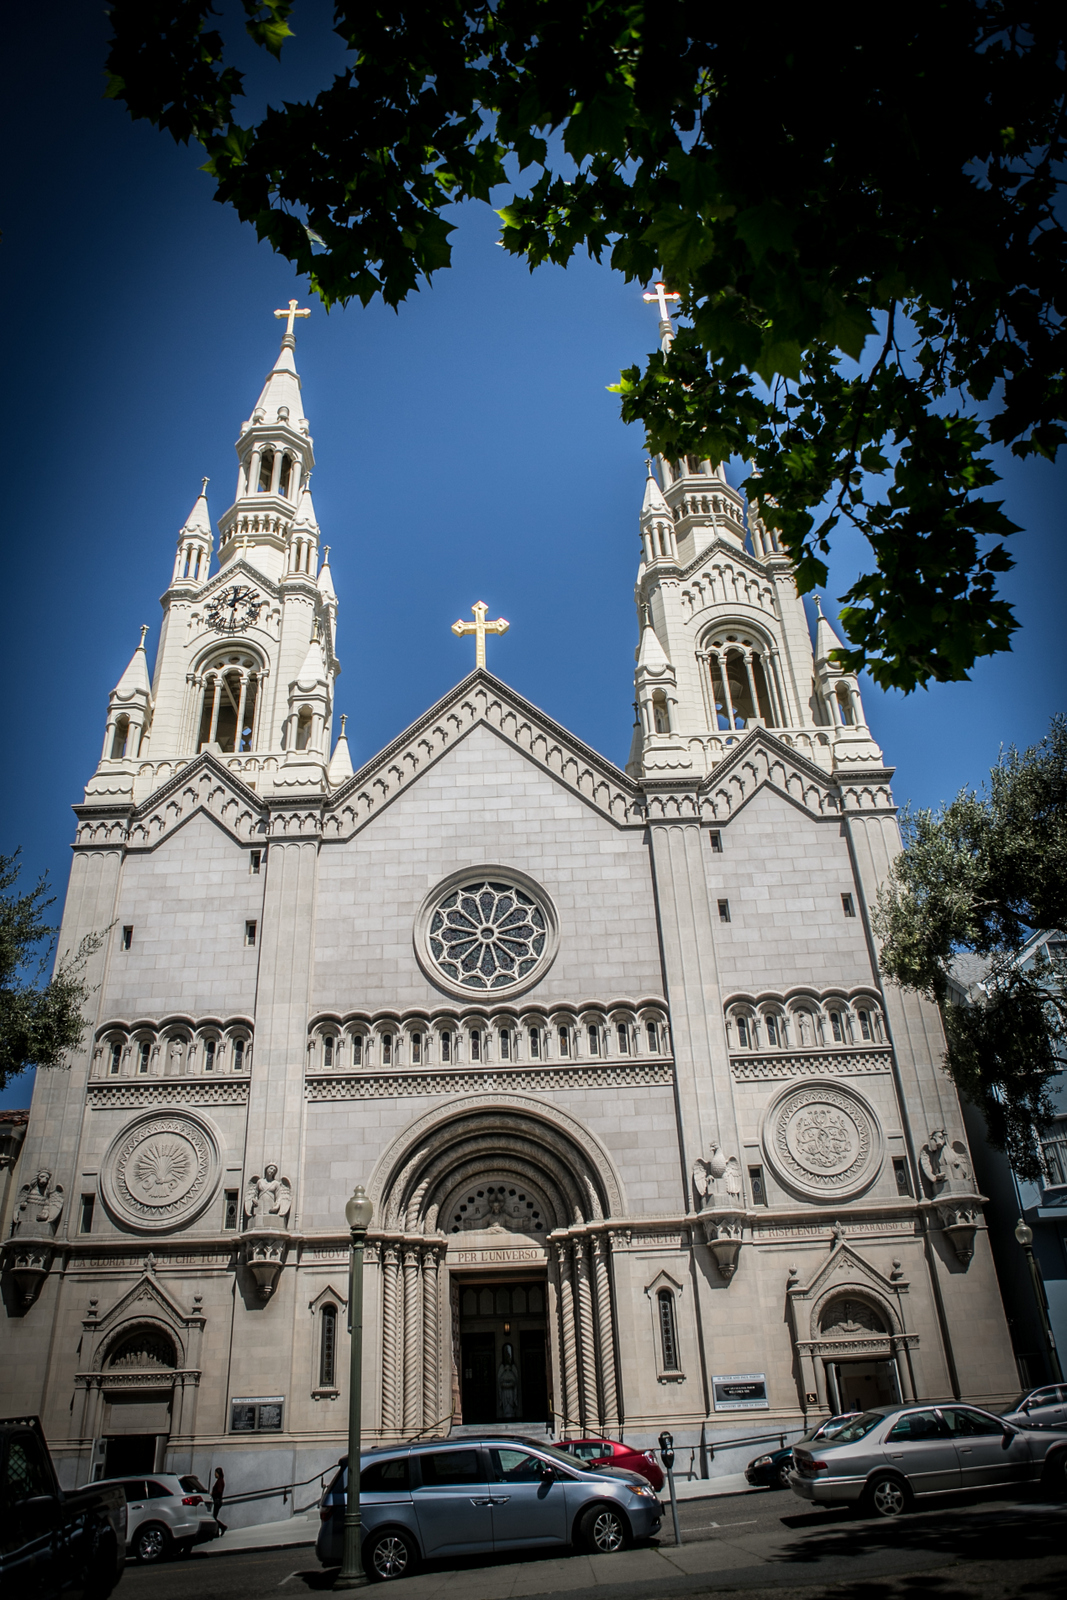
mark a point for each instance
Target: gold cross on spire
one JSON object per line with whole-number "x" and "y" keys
{"x": 479, "y": 627}
{"x": 290, "y": 315}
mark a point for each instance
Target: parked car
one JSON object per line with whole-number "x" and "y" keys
{"x": 54, "y": 1542}
{"x": 1040, "y": 1408}
{"x": 461, "y": 1497}
{"x": 885, "y": 1459}
{"x": 613, "y": 1453}
{"x": 166, "y": 1514}
{"x": 775, "y": 1469}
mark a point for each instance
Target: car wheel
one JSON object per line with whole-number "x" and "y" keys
{"x": 781, "y": 1476}
{"x": 603, "y": 1530}
{"x": 388, "y": 1555}
{"x": 887, "y": 1496}
{"x": 151, "y": 1543}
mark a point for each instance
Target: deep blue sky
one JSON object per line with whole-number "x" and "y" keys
{"x": 467, "y": 449}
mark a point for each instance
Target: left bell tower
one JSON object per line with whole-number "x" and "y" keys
{"x": 246, "y": 664}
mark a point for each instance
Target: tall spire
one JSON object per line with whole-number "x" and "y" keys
{"x": 276, "y": 458}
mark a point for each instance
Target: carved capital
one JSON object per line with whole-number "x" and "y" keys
{"x": 723, "y": 1234}
{"x": 28, "y": 1260}
{"x": 264, "y": 1255}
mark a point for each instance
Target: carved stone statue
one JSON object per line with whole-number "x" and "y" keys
{"x": 507, "y": 1386}
{"x": 39, "y": 1206}
{"x": 269, "y": 1198}
{"x": 717, "y": 1180}
{"x": 945, "y": 1165}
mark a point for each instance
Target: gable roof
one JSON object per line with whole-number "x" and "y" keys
{"x": 482, "y": 700}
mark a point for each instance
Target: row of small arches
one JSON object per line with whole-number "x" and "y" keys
{"x": 804, "y": 1024}
{"x": 448, "y": 1041}
{"x": 172, "y": 1052}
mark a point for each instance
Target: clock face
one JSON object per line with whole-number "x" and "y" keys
{"x": 235, "y": 609}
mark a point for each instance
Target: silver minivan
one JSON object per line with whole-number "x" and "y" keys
{"x": 446, "y": 1498}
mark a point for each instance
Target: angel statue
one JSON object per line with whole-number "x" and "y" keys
{"x": 717, "y": 1180}
{"x": 269, "y": 1197}
{"x": 944, "y": 1162}
{"x": 39, "y": 1202}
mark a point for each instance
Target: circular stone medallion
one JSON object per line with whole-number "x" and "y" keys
{"x": 161, "y": 1171}
{"x": 489, "y": 930}
{"x": 822, "y": 1140}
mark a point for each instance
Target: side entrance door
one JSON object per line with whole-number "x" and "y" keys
{"x": 528, "y": 1508}
{"x": 450, "y": 1492}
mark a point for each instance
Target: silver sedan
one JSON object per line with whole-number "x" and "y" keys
{"x": 885, "y": 1459}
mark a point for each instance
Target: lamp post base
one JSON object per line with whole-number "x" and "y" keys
{"x": 357, "y": 1580}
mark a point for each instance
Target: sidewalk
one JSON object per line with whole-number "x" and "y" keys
{"x": 304, "y": 1528}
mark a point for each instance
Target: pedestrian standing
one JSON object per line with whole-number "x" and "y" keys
{"x": 218, "y": 1491}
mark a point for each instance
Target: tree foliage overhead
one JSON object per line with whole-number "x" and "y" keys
{"x": 861, "y": 219}
{"x": 38, "y": 1024}
{"x": 981, "y": 876}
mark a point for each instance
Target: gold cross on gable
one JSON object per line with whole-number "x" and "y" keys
{"x": 479, "y": 627}
{"x": 290, "y": 315}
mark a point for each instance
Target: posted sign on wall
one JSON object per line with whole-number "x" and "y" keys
{"x": 741, "y": 1391}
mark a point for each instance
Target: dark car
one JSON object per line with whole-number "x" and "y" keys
{"x": 885, "y": 1459}
{"x": 775, "y": 1469}
{"x": 456, "y": 1497}
{"x": 54, "y": 1542}
{"x": 613, "y": 1453}
{"x": 1040, "y": 1408}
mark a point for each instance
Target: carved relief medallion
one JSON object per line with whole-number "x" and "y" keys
{"x": 823, "y": 1140}
{"x": 161, "y": 1171}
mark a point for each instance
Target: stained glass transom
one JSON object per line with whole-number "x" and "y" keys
{"x": 487, "y": 935}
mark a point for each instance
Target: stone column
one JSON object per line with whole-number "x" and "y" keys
{"x": 412, "y": 1338}
{"x": 568, "y": 1340}
{"x": 609, "y": 1404}
{"x": 390, "y": 1350}
{"x": 589, "y": 1400}
{"x": 431, "y": 1388}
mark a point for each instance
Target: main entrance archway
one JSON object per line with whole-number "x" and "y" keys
{"x": 508, "y": 1198}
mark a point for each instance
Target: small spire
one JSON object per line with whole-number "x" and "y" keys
{"x": 144, "y": 634}
{"x": 651, "y": 655}
{"x": 135, "y": 679}
{"x": 340, "y": 766}
{"x": 825, "y": 638}
{"x": 653, "y": 503}
{"x": 199, "y": 518}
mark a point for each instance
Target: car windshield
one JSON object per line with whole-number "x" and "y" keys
{"x": 561, "y": 1458}
{"x": 858, "y": 1427}
{"x": 828, "y": 1429}
{"x": 1017, "y": 1405}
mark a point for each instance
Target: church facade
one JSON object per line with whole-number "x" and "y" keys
{"x": 648, "y": 1141}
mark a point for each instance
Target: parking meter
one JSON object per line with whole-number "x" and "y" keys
{"x": 666, "y": 1454}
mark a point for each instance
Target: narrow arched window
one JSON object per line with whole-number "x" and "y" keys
{"x": 594, "y": 1040}
{"x": 266, "y": 469}
{"x": 772, "y": 1030}
{"x": 653, "y": 1037}
{"x": 285, "y": 475}
{"x": 118, "y": 742}
{"x": 865, "y": 1023}
{"x": 145, "y": 1056}
{"x": 742, "y": 1032}
{"x": 327, "y": 1050}
{"x": 836, "y": 1028}
{"x": 328, "y": 1348}
{"x": 210, "y": 1047}
{"x": 238, "y": 1055}
{"x": 668, "y": 1331}
{"x": 116, "y": 1056}
{"x": 624, "y": 1039}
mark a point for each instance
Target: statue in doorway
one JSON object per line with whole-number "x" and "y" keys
{"x": 507, "y": 1386}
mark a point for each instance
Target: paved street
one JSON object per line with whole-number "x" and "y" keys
{"x": 961, "y": 1549}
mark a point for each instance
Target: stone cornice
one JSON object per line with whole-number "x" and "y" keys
{"x": 416, "y": 1082}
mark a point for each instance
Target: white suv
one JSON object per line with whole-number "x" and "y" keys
{"x": 165, "y": 1514}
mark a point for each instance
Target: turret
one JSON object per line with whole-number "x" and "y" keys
{"x": 195, "y": 543}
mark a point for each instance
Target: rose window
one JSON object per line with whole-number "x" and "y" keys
{"x": 487, "y": 935}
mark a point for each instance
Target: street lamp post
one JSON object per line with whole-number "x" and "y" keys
{"x": 358, "y": 1213}
{"x": 1025, "y": 1236}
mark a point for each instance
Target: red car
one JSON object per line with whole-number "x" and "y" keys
{"x": 611, "y": 1453}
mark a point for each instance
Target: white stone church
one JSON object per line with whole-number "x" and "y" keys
{"x": 649, "y": 1143}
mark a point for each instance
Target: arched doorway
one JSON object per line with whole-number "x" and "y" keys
{"x": 496, "y": 1290}
{"x": 138, "y": 1387}
{"x": 861, "y": 1367}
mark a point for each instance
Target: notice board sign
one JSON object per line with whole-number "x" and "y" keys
{"x": 740, "y": 1391}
